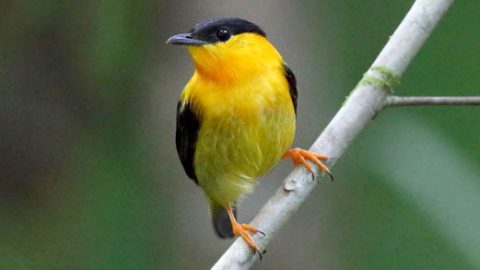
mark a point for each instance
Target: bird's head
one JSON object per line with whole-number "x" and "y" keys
{"x": 226, "y": 49}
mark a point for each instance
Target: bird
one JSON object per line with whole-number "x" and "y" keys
{"x": 236, "y": 116}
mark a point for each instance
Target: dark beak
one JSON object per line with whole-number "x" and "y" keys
{"x": 185, "y": 39}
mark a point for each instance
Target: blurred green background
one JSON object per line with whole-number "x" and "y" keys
{"x": 89, "y": 175}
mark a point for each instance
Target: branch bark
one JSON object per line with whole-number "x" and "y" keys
{"x": 364, "y": 102}
{"x": 394, "y": 101}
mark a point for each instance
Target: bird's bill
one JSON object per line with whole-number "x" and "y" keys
{"x": 184, "y": 39}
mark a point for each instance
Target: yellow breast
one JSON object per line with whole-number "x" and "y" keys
{"x": 246, "y": 124}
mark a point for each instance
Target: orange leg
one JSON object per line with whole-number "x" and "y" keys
{"x": 243, "y": 231}
{"x": 300, "y": 156}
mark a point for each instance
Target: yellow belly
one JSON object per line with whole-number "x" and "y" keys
{"x": 244, "y": 131}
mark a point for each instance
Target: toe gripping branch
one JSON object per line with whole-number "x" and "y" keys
{"x": 300, "y": 156}
{"x": 244, "y": 231}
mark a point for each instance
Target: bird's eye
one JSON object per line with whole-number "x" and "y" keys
{"x": 223, "y": 34}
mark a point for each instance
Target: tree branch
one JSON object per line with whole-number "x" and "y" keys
{"x": 394, "y": 101}
{"x": 364, "y": 102}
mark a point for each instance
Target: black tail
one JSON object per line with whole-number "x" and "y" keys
{"x": 221, "y": 221}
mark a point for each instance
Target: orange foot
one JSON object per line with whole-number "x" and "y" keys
{"x": 300, "y": 156}
{"x": 243, "y": 231}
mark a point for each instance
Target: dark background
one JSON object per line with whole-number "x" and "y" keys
{"x": 89, "y": 175}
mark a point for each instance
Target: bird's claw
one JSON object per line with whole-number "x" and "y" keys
{"x": 300, "y": 156}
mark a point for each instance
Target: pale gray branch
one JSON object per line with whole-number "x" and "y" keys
{"x": 363, "y": 103}
{"x": 394, "y": 101}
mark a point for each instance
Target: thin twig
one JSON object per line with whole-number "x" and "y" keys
{"x": 394, "y": 101}
{"x": 364, "y": 102}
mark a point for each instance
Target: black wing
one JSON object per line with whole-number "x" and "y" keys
{"x": 186, "y": 137}
{"x": 292, "y": 85}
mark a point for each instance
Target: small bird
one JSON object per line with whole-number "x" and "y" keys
{"x": 236, "y": 116}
